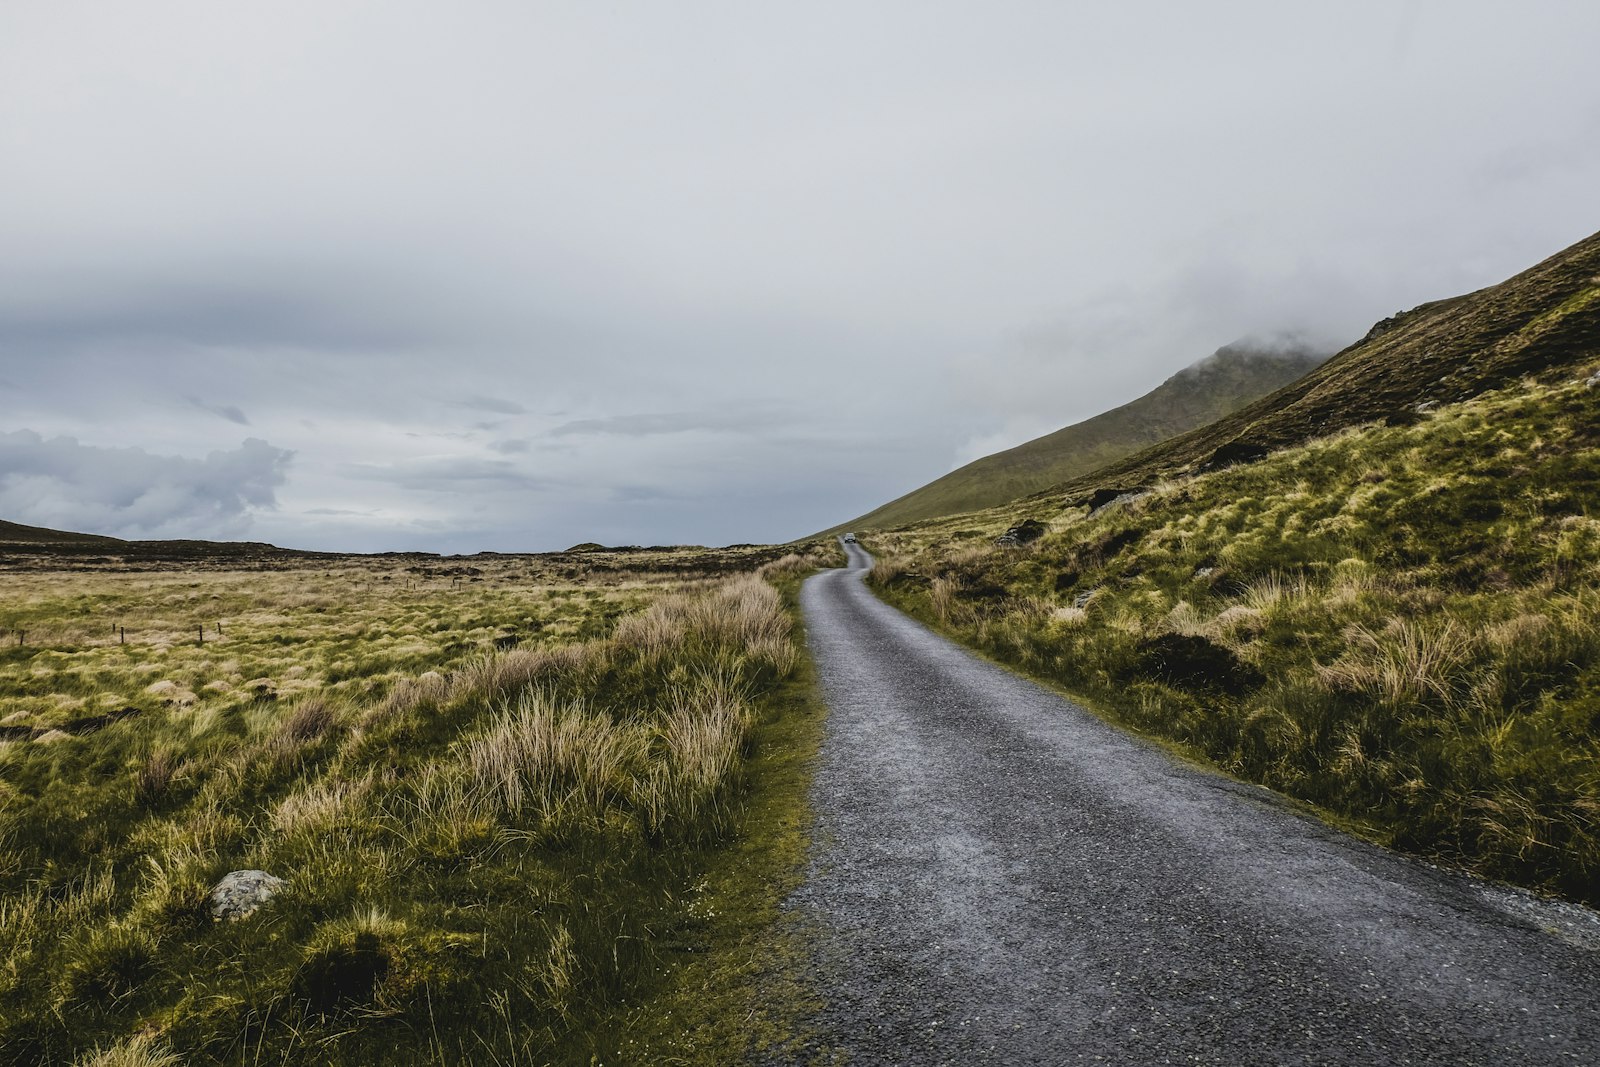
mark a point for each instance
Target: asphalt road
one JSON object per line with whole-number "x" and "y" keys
{"x": 1000, "y": 877}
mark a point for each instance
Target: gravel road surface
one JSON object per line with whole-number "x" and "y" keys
{"x": 1000, "y": 877}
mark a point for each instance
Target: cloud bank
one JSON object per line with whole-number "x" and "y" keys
{"x": 130, "y": 492}
{"x": 510, "y": 276}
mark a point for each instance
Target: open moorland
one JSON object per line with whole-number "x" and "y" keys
{"x": 511, "y": 801}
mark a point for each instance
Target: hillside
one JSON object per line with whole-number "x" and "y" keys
{"x": 1223, "y": 382}
{"x": 37, "y": 546}
{"x": 1543, "y": 321}
{"x": 1398, "y": 623}
{"x": 1373, "y": 590}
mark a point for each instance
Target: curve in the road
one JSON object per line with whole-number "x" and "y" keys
{"x": 1001, "y": 877}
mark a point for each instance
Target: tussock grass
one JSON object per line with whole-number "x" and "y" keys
{"x": 1405, "y": 663}
{"x": 142, "y": 1050}
{"x": 1420, "y": 605}
{"x": 550, "y": 759}
{"x": 480, "y": 837}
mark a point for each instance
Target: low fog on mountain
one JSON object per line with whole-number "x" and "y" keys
{"x": 502, "y": 276}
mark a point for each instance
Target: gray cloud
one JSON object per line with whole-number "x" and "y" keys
{"x": 493, "y": 404}
{"x": 258, "y": 304}
{"x": 449, "y": 474}
{"x": 222, "y": 411}
{"x": 639, "y": 494}
{"x": 548, "y": 293}
{"x": 65, "y": 484}
{"x": 651, "y": 424}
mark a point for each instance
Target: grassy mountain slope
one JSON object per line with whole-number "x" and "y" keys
{"x": 1398, "y": 624}
{"x": 1544, "y": 320}
{"x": 1392, "y": 614}
{"x": 1195, "y": 396}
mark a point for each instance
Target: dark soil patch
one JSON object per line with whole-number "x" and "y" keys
{"x": 1189, "y": 661}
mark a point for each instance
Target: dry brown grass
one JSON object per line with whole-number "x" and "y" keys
{"x": 310, "y": 719}
{"x": 886, "y": 570}
{"x": 547, "y": 756}
{"x": 155, "y": 777}
{"x": 702, "y": 739}
{"x": 1404, "y": 663}
{"x": 142, "y": 1050}
{"x": 322, "y": 805}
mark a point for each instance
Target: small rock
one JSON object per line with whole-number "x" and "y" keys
{"x": 430, "y": 676}
{"x": 50, "y": 737}
{"x": 240, "y": 893}
{"x": 1383, "y": 326}
{"x": 16, "y": 717}
{"x": 1026, "y": 531}
{"x": 1425, "y": 407}
{"x": 1593, "y": 381}
{"x": 1081, "y": 601}
{"x": 1110, "y": 496}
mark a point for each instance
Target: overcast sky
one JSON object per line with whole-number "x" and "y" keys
{"x": 480, "y": 275}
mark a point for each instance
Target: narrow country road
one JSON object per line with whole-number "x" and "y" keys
{"x": 1000, "y": 877}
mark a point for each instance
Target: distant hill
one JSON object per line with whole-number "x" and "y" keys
{"x": 16, "y": 533}
{"x": 1223, "y": 382}
{"x": 37, "y": 541}
{"x": 1544, "y": 321}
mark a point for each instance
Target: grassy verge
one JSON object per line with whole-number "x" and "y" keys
{"x": 487, "y": 863}
{"x": 729, "y": 984}
{"x": 1399, "y": 625}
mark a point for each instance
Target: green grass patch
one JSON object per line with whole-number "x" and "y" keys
{"x": 730, "y": 984}
{"x": 491, "y": 860}
{"x": 1397, "y": 624}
